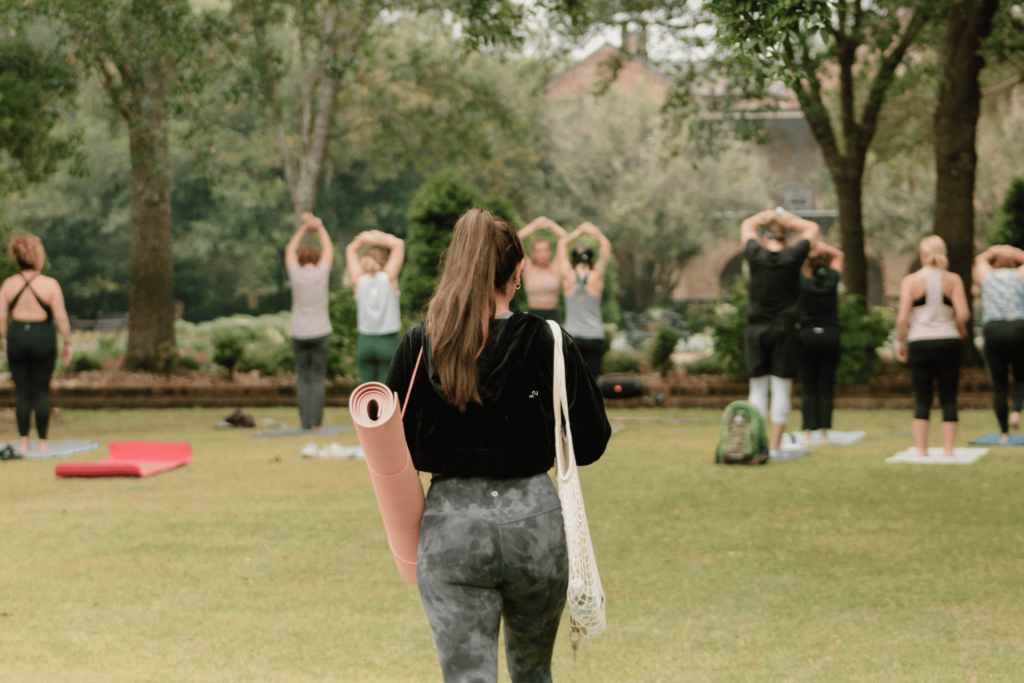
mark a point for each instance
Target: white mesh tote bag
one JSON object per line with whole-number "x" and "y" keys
{"x": 585, "y": 595}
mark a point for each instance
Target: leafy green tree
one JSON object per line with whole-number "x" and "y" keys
{"x": 35, "y": 87}
{"x": 151, "y": 57}
{"x": 435, "y": 208}
{"x": 804, "y": 44}
{"x": 1010, "y": 228}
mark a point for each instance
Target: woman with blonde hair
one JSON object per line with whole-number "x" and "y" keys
{"x": 480, "y": 417}
{"x": 932, "y": 319}
{"x": 31, "y": 313}
{"x": 374, "y": 277}
{"x": 542, "y": 276}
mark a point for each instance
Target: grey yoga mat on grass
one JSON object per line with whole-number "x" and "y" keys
{"x": 299, "y": 431}
{"x": 835, "y": 438}
{"x": 58, "y": 449}
{"x": 996, "y": 440}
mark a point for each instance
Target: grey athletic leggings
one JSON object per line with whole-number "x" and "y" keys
{"x": 310, "y": 373}
{"x": 493, "y": 549}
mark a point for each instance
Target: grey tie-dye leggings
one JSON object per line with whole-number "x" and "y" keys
{"x": 492, "y": 549}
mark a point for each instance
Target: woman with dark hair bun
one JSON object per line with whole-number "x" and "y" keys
{"x": 309, "y": 270}
{"x": 819, "y": 336}
{"x": 583, "y": 284}
{"x": 480, "y": 417}
{"x": 31, "y": 313}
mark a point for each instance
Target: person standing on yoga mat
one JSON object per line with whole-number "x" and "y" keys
{"x": 932, "y": 318}
{"x": 480, "y": 417}
{"x": 309, "y": 270}
{"x": 775, "y": 244}
{"x": 375, "y": 283}
{"x": 1000, "y": 271}
{"x": 819, "y": 337}
{"x": 31, "y": 313}
{"x": 542, "y": 279}
{"x": 583, "y": 284}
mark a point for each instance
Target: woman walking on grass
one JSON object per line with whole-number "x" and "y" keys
{"x": 480, "y": 417}
{"x": 31, "y": 313}
{"x": 375, "y": 283}
{"x": 819, "y": 337}
{"x": 1000, "y": 271}
{"x": 542, "y": 277}
{"x": 309, "y": 270}
{"x": 932, "y": 318}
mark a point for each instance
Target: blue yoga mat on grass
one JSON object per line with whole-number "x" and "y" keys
{"x": 58, "y": 449}
{"x": 995, "y": 440}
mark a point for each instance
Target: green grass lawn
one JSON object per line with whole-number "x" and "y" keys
{"x": 254, "y": 564}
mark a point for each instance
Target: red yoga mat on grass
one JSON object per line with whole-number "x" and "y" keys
{"x": 378, "y": 422}
{"x": 131, "y": 459}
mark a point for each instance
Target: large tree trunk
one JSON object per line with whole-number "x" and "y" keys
{"x": 151, "y": 302}
{"x": 969, "y": 22}
{"x": 851, "y": 221}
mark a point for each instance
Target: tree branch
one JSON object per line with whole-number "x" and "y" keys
{"x": 813, "y": 106}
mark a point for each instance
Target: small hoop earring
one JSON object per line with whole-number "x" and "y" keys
{"x": 518, "y": 284}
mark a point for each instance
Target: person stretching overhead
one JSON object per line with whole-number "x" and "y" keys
{"x": 309, "y": 270}
{"x": 1001, "y": 275}
{"x": 542, "y": 278}
{"x": 775, "y": 245}
{"x": 31, "y": 304}
{"x": 379, "y": 319}
{"x": 583, "y": 283}
{"x": 819, "y": 337}
{"x": 933, "y": 306}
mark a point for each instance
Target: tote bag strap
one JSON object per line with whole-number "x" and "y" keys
{"x": 412, "y": 380}
{"x": 565, "y": 457}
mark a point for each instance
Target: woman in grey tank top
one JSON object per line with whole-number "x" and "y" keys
{"x": 583, "y": 284}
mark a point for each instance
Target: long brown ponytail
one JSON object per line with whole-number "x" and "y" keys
{"x": 481, "y": 259}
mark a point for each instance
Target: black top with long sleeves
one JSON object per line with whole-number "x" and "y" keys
{"x": 511, "y": 434}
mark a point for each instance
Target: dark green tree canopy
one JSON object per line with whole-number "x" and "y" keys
{"x": 35, "y": 86}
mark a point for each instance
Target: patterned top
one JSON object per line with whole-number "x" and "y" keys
{"x": 1002, "y": 295}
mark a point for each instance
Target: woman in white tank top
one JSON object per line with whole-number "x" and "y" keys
{"x": 542, "y": 276}
{"x": 932, "y": 318}
{"x": 375, "y": 283}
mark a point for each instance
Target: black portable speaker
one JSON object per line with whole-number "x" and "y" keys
{"x": 620, "y": 385}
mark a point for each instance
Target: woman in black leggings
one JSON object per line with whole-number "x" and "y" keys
{"x": 31, "y": 312}
{"x": 819, "y": 337}
{"x": 1001, "y": 274}
{"x": 933, "y": 319}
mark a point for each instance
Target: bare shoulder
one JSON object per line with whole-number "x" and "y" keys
{"x": 951, "y": 280}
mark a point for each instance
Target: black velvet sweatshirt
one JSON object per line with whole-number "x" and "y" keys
{"x": 511, "y": 434}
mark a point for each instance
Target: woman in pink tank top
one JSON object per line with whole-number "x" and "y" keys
{"x": 542, "y": 279}
{"x": 932, "y": 318}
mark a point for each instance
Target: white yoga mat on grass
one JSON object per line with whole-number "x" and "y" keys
{"x": 937, "y": 456}
{"x": 834, "y": 438}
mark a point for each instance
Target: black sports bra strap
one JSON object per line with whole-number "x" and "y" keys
{"x": 28, "y": 286}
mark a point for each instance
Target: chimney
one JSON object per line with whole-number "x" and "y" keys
{"x": 634, "y": 43}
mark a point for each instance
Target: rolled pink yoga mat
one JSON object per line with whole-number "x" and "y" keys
{"x": 378, "y": 421}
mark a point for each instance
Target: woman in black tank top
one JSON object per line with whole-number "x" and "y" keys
{"x": 819, "y": 337}
{"x": 31, "y": 345}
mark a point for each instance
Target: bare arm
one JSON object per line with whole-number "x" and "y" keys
{"x": 749, "y": 227}
{"x": 60, "y": 316}
{"x": 396, "y": 255}
{"x": 903, "y": 318}
{"x": 808, "y": 230}
{"x": 838, "y": 257}
{"x": 291, "y": 251}
{"x": 562, "y": 258}
{"x": 4, "y": 304}
{"x": 355, "y": 270}
{"x": 311, "y": 222}
{"x": 595, "y": 283}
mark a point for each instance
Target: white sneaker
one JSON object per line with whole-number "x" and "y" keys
{"x": 336, "y": 450}
{"x": 310, "y": 450}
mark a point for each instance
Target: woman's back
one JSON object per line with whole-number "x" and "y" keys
{"x": 819, "y": 299}
{"x": 31, "y": 300}
{"x": 1002, "y": 295}
{"x": 377, "y": 308}
{"x": 931, "y": 315}
{"x": 310, "y": 299}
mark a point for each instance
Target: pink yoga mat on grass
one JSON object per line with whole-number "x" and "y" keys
{"x": 131, "y": 459}
{"x": 377, "y": 417}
